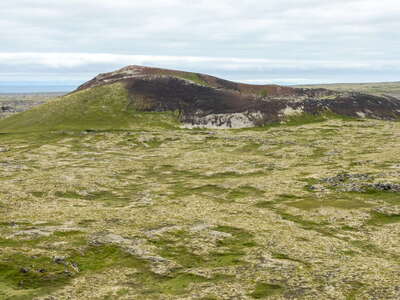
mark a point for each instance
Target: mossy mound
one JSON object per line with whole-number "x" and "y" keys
{"x": 105, "y": 107}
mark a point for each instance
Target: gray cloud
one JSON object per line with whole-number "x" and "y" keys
{"x": 286, "y": 40}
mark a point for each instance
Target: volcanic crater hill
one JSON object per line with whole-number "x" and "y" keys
{"x": 122, "y": 98}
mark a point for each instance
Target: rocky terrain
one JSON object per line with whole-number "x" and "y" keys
{"x": 107, "y": 194}
{"x": 14, "y": 103}
{"x": 374, "y": 88}
{"x": 287, "y": 212}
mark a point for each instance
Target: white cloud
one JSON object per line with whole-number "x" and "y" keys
{"x": 76, "y": 60}
{"x": 218, "y": 36}
{"x": 89, "y": 64}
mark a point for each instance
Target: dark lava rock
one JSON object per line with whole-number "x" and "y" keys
{"x": 358, "y": 183}
{"x": 59, "y": 260}
{"x": 385, "y": 187}
{"x": 75, "y": 266}
{"x": 24, "y": 270}
{"x": 6, "y": 109}
{"x": 344, "y": 177}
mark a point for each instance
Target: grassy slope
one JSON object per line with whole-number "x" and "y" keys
{"x": 100, "y": 108}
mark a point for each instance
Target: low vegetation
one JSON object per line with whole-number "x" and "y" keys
{"x": 157, "y": 212}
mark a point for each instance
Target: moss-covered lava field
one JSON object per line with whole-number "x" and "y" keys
{"x": 293, "y": 211}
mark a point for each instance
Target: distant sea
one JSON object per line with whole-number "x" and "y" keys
{"x": 27, "y": 88}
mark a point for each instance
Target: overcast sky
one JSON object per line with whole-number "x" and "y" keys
{"x": 274, "y": 41}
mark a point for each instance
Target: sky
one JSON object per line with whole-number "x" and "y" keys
{"x": 263, "y": 42}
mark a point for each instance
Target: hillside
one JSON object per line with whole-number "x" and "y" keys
{"x": 102, "y": 108}
{"x": 376, "y": 88}
{"x": 124, "y": 98}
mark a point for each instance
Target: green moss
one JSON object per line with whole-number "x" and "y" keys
{"x": 303, "y": 119}
{"x": 306, "y": 224}
{"x": 348, "y": 228}
{"x": 15, "y": 223}
{"x": 102, "y": 257}
{"x": 86, "y": 222}
{"x": 4, "y": 242}
{"x": 96, "y": 258}
{"x": 310, "y": 182}
{"x": 282, "y": 198}
{"x": 245, "y": 191}
{"x": 232, "y": 249}
{"x": 287, "y": 197}
{"x": 68, "y": 195}
{"x": 328, "y": 131}
{"x": 227, "y": 258}
{"x": 375, "y": 195}
{"x": 179, "y": 284}
{"x": 67, "y": 233}
{"x": 28, "y": 142}
{"x": 355, "y": 288}
{"x": 154, "y": 143}
{"x": 264, "y": 93}
{"x": 226, "y": 174}
{"x": 107, "y": 197}
{"x": 228, "y": 251}
{"x": 264, "y": 290}
{"x": 238, "y": 233}
{"x": 284, "y": 256}
{"x": 348, "y": 253}
{"x": 314, "y": 203}
{"x": 178, "y": 253}
{"x": 367, "y": 247}
{"x": 299, "y": 120}
{"x": 378, "y": 218}
{"x": 250, "y": 148}
{"x": 232, "y": 174}
{"x": 41, "y": 275}
{"x": 194, "y": 77}
{"x": 183, "y": 189}
{"x": 318, "y": 152}
{"x": 264, "y": 204}
{"x": 38, "y": 194}
{"x": 280, "y": 255}
{"x": 209, "y": 189}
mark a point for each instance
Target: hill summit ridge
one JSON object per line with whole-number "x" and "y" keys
{"x": 209, "y": 101}
{"x": 125, "y": 97}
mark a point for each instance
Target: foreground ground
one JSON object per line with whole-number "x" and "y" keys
{"x": 288, "y": 212}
